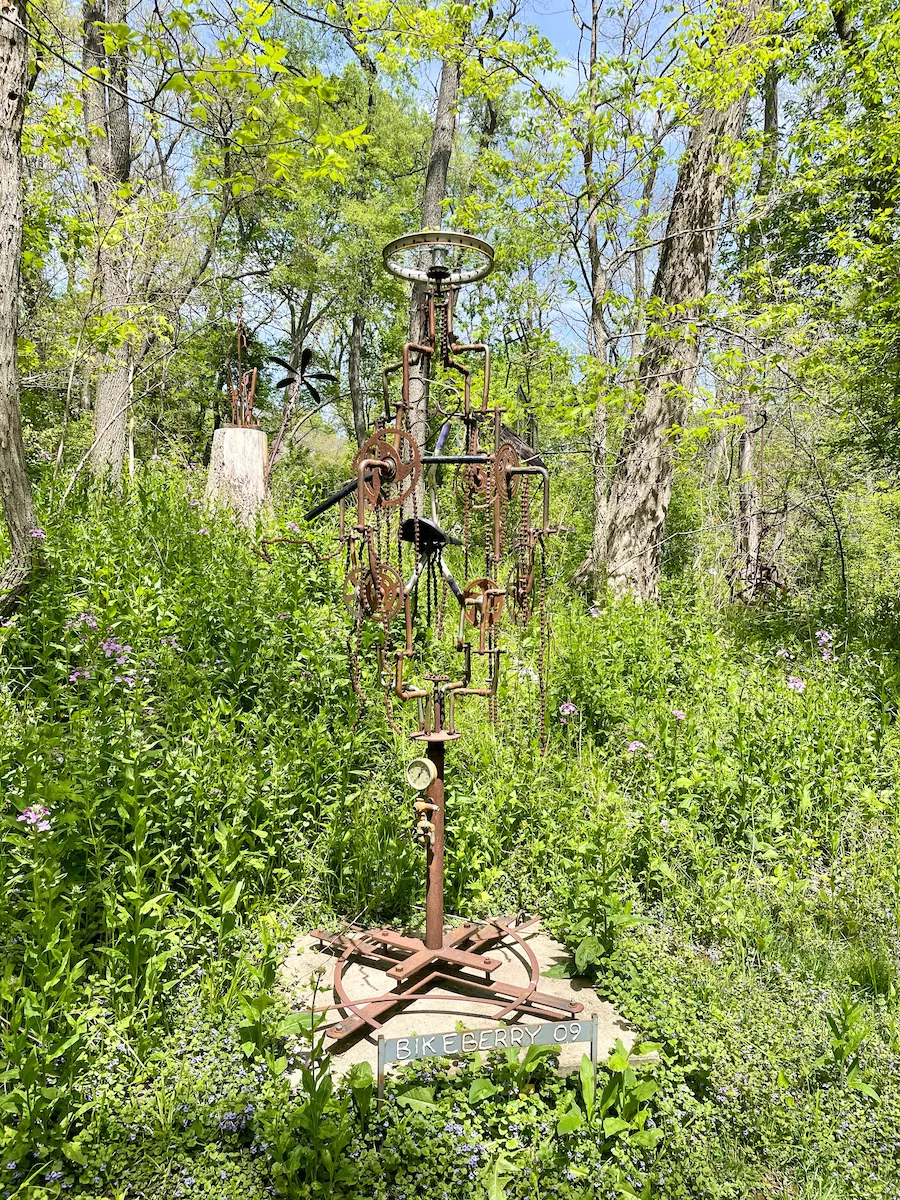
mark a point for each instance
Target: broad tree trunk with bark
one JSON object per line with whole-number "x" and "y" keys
{"x": 435, "y": 191}
{"x": 108, "y": 132}
{"x": 15, "y": 489}
{"x": 641, "y": 487}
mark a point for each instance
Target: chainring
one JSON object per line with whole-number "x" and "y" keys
{"x": 504, "y": 460}
{"x": 483, "y": 602}
{"x": 380, "y": 599}
{"x": 387, "y": 489}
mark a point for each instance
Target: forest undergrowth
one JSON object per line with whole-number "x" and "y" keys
{"x": 713, "y": 832}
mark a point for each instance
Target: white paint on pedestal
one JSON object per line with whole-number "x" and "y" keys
{"x": 237, "y": 470}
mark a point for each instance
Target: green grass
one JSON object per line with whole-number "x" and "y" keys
{"x": 730, "y": 882}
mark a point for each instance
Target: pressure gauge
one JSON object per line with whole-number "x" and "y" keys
{"x": 421, "y": 774}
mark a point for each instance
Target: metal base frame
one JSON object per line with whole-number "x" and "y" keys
{"x": 418, "y": 969}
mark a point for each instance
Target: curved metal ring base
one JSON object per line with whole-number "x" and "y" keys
{"x": 419, "y": 970}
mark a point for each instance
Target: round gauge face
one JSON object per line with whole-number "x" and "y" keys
{"x": 420, "y": 774}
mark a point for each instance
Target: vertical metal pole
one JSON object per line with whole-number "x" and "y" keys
{"x": 595, "y": 1037}
{"x": 434, "y": 887}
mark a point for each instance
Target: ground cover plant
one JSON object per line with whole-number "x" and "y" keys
{"x": 712, "y": 833}
{"x": 692, "y": 318}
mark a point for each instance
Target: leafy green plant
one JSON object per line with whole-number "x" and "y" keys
{"x": 848, "y": 1029}
{"x": 620, "y": 1107}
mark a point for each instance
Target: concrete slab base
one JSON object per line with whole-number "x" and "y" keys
{"x": 308, "y": 971}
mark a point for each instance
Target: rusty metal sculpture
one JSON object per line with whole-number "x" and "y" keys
{"x": 242, "y": 389}
{"x": 389, "y": 485}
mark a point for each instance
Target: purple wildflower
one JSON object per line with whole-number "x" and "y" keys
{"x": 36, "y": 817}
{"x": 37, "y": 533}
{"x": 79, "y": 673}
{"x": 193, "y": 502}
{"x": 634, "y": 746}
{"x": 595, "y": 611}
{"x": 203, "y": 530}
{"x": 679, "y": 714}
{"x": 783, "y": 654}
{"x": 85, "y": 618}
{"x": 113, "y": 648}
{"x": 824, "y": 639}
{"x": 796, "y": 684}
{"x": 282, "y": 616}
{"x": 292, "y": 525}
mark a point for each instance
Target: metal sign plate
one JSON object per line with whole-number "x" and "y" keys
{"x": 468, "y": 1041}
{"x": 447, "y": 1045}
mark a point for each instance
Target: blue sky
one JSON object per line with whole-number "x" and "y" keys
{"x": 554, "y": 19}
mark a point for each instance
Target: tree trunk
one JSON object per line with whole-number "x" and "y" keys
{"x": 750, "y": 566}
{"x": 358, "y": 320}
{"x": 642, "y": 481}
{"x": 748, "y": 500}
{"x": 597, "y": 337}
{"x": 435, "y": 191}
{"x": 108, "y": 131}
{"x": 15, "y": 490}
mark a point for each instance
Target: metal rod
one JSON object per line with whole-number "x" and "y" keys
{"x": 351, "y": 485}
{"x": 434, "y": 889}
{"x": 437, "y": 459}
{"x": 373, "y": 464}
{"x": 341, "y": 494}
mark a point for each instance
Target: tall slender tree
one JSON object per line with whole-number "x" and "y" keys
{"x": 15, "y": 490}
{"x": 750, "y": 570}
{"x": 432, "y": 203}
{"x": 109, "y": 156}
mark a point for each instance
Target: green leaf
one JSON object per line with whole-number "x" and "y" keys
{"x": 589, "y": 951}
{"x": 855, "y": 1081}
{"x": 646, "y": 1138}
{"x": 420, "y": 1099}
{"x": 588, "y": 1079}
{"x": 301, "y": 1022}
{"x": 570, "y": 1121}
{"x": 563, "y": 970}
{"x": 619, "y": 1059}
{"x": 495, "y": 1180}
{"x": 481, "y": 1089}
{"x": 231, "y": 895}
{"x": 613, "y": 1126}
{"x": 360, "y": 1075}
